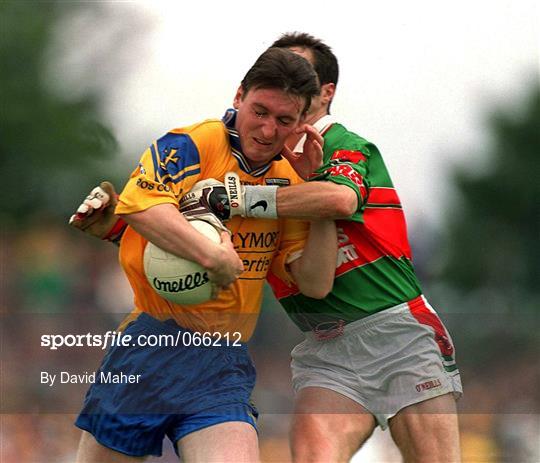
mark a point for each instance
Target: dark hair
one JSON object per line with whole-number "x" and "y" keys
{"x": 325, "y": 62}
{"x": 278, "y": 68}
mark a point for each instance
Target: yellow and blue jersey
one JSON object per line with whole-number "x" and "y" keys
{"x": 167, "y": 170}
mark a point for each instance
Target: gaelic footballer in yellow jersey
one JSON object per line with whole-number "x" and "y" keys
{"x": 197, "y": 396}
{"x": 167, "y": 170}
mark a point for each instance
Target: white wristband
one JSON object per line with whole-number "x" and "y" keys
{"x": 260, "y": 201}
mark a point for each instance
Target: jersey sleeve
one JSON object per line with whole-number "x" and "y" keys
{"x": 348, "y": 167}
{"x": 166, "y": 171}
{"x": 294, "y": 235}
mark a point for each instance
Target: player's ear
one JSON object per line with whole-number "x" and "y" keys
{"x": 238, "y": 97}
{"x": 327, "y": 93}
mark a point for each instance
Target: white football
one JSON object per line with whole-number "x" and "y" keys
{"x": 177, "y": 279}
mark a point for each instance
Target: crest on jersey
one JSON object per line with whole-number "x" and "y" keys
{"x": 277, "y": 181}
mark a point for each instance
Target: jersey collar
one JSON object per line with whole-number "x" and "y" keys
{"x": 229, "y": 119}
{"x": 322, "y": 125}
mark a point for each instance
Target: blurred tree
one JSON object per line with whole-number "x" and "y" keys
{"x": 51, "y": 150}
{"x": 489, "y": 275}
{"x": 493, "y": 238}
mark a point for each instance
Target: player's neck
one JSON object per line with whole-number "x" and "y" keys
{"x": 312, "y": 118}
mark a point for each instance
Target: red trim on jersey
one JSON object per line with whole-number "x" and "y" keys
{"x": 380, "y": 195}
{"x": 349, "y": 156}
{"x": 355, "y": 247}
{"x": 361, "y": 244}
{"x": 425, "y": 316}
{"x": 389, "y": 228}
{"x": 280, "y": 288}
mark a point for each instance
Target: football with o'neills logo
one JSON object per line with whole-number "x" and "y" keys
{"x": 177, "y": 279}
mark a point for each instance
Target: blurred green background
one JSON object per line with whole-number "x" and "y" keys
{"x": 479, "y": 265}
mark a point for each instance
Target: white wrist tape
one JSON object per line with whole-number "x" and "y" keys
{"x": 250, "y": 201}
{"x": 260, "y": 201}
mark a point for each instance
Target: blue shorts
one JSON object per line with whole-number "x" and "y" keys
{"x": 165, "y": 391}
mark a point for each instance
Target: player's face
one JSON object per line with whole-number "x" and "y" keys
{"x": 266, "y": 117}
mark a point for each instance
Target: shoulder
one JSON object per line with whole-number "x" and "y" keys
{"x": 340, "y": 138}
{"x": 201, "y": 137}
{"x": 200, "y": 130}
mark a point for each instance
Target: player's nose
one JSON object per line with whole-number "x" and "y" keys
{"x": 269, "y": 129}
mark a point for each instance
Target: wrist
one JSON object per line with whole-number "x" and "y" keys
{"x": 214, "y": 257}
{"x": 116, "y": 232}
{"x": 261, "y": 201}
{"x": 250, "y": 201}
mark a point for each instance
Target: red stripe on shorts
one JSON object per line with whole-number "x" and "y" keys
{"x": 423, "y": 315}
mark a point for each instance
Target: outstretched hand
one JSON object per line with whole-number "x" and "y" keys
{"x": 95, "y": 215}
{"x": 311, "y": 159}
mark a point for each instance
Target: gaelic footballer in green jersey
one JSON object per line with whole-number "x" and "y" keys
{"x": 374, "y": 269}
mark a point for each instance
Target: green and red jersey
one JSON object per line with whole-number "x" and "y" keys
{"x": 374, "y": 269}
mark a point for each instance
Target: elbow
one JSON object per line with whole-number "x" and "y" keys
{"x": 348, "y": 203}
{"x": 344, "y": 211}
{"x": 317, "y": 291}
{"x": 319, "y": 294}
{"x": 343, "y": 204}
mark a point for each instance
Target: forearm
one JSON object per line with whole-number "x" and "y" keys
{"x": 167, "y": 228}
{"x": 314, "y": 271}
{"x": 316, "y": 201}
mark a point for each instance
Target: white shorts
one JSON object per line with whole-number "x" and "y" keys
{"x": 385, "y": 362}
